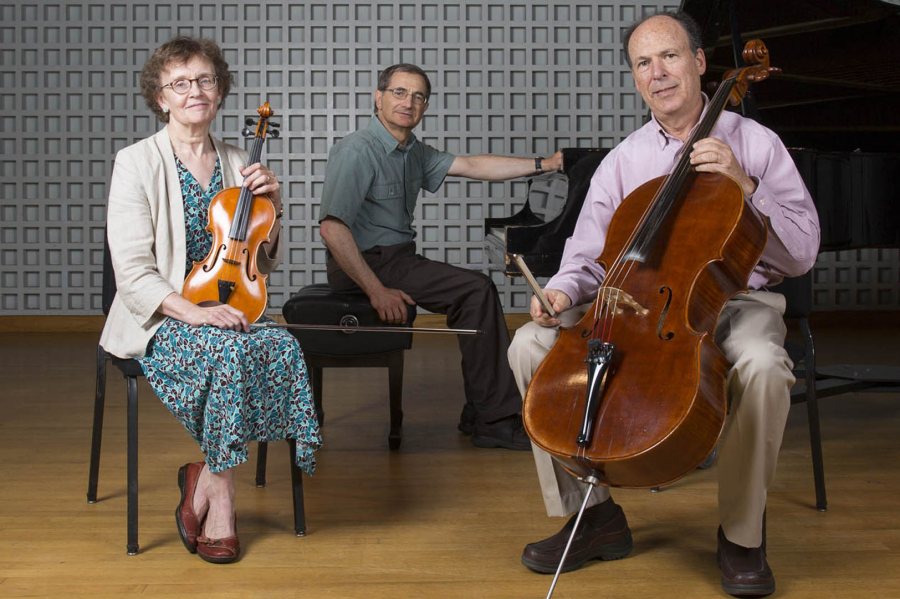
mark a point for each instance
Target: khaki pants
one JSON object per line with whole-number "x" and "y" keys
{"x": 751, "y": 333}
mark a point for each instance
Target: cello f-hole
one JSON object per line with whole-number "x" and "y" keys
{"x": 662, "y": 315}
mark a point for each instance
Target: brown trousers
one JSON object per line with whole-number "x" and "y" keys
{"x": 470, "y": 301}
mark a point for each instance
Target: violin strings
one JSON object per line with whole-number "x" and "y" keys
{"x": 239, "y": 226}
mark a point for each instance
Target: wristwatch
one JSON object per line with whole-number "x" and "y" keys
{"x": 538, "y": 168}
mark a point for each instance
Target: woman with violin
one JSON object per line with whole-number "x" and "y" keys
{"x": 227, "y": 385}
{"x": 667, "y": 61}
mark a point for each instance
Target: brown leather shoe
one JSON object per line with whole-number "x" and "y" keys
{"x": 603, "y": 534}
{"x": 745, "y": 571}
{"x": 220, "y": 551}
{"x": 187, "y": 521}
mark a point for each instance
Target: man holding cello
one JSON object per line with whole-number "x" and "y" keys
{"x": 666, "y": 59}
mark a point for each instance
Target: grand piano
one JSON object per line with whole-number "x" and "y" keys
{"x": 836, "y": 103}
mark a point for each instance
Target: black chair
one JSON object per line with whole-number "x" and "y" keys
{"x": 131, "y": 370}
{"x": 857, "y": 204}
{"x": 815, "y": 381}
{"x": 318, "y": 304}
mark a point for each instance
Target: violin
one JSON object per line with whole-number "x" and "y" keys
{"x": 240, "y": 222}
{"x": 634, "y": 395}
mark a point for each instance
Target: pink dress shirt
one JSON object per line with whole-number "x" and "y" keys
{"x": 781, "y": 197}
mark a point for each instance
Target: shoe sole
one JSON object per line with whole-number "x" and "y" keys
{"x": 608, "y": 553}
{"x": 748, "y": 590}
{"x": 219, "y": 560}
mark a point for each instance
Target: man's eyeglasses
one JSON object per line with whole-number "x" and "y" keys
{"x": 401, "y": 92}
{"x": 204, "y": 82}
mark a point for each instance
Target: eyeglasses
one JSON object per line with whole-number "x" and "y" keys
{"x": 401, "y": 92}
{"x": 183, "y": 86}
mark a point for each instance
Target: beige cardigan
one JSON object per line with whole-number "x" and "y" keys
{"x": 145, "y": 228}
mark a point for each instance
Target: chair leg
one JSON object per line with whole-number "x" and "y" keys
{"x": 315, "y": 375}
{"x": 97, "y": 431}
{"x": 262, "y": 454}
{"x": 395, "y": 384}
{"x": 812, "y": 414}
{"x": 132, "y": 465}
{"x": 297, "y": 491}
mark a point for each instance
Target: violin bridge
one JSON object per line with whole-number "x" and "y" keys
{"x": 619, "y": 300}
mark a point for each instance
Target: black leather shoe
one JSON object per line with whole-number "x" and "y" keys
{"x": 745, "y": 571}
{"x": 507, "y": 433}
{"x": 467, "y": 419}
{"x": 602, "y": 534}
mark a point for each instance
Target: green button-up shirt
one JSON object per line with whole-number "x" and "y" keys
{"x": 372, "y": 184}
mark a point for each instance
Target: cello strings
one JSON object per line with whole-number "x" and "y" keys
{"x": 657, "y": 210}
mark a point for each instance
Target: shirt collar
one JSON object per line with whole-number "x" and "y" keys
{"x": 664, "y": 139}
{"x": 376, "y": 127}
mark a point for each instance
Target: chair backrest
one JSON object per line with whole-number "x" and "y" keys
{"x": 797, "y": 292}
{"x": 109, "y": 278}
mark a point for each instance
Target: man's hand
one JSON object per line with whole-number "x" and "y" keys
{"x": 553, "y": 164}
{"x": 711, "y": 155}
{"x": 560, "y": 302}
{"x": 391, "y": 304}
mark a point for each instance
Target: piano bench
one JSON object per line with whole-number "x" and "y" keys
{"x": 318, "y": 304}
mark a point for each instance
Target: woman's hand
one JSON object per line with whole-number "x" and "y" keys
{"x": 261, "y": 180}
{"x": 221, "y": 316}
{"x": 211, "y": 314}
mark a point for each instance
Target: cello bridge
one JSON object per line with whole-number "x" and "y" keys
{"x": 618, "y": 300}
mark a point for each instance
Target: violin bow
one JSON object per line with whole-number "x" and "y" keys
{"x": 350, "y": 328}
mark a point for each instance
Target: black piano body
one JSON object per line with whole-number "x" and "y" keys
{"x": 836, "y": 103}
{"x": 538, "y": 235}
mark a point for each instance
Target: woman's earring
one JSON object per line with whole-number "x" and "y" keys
{"x": 165, "y": 109}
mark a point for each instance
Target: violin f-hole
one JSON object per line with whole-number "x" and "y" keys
{"x": 209, "y": 263}
{"x": 251, "y": 275}
{"x": 662, "y": 315}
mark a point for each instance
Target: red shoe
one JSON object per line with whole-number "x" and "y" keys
{"x": 220, "y": 551}
{"x": 189, "y": 525}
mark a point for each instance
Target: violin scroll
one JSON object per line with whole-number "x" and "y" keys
{"x": 262, "y": 127}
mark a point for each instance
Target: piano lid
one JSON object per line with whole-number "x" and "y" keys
{"x": 840, "y": 83}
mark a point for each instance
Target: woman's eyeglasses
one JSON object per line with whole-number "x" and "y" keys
{"x": 183, "y": 86}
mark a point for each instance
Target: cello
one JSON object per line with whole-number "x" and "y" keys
{"x": 650, "y": 404}
{"x": 240, "y": 223}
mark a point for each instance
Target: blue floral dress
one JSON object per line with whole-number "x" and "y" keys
{"x": 227, "y": 387}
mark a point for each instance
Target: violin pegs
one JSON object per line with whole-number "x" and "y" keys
{"x": 271, "y": 124}
{"x": 250, "y": 121}
{"x": 247, "y": 132}
{"x": 274, "y": 133}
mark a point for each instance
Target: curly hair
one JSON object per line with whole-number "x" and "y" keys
{"x": 180, "y": 50}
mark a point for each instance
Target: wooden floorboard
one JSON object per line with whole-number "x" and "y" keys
{"x": 439, "y": 518}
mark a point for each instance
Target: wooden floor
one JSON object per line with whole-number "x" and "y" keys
{"x": 439, "y": 518}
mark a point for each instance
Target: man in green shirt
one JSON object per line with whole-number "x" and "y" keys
{"x": 372, "y": 182}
